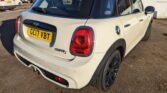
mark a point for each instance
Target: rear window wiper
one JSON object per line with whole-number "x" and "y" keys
{"x": 39, "y": 9}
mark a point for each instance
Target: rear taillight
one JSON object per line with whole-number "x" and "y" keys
{"x": 17, "y": 24}
{"x": 82, "y": 42}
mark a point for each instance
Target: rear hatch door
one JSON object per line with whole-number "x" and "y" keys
{"x": 51, "y": 35}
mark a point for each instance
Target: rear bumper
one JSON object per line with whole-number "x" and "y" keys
{"x": 77, "y": 73}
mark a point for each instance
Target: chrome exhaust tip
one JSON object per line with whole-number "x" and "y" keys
{"x": 35, "y": 69}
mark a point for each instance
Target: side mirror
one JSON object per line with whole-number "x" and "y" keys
{"x": 149, "y": 10}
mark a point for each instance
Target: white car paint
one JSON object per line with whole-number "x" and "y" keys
{"x": 159, "y": 5}
{"x": 7, "y": 4}
{"x": 77, "y": 70}
{"x": 18, "y": 2}
{"x": 25, "y": 1}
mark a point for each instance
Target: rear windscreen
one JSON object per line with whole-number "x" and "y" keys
{"x": 64, "y": 8}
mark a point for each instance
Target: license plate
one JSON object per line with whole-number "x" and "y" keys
{"x": 40, "y": 34}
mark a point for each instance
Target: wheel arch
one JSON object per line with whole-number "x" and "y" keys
{"x": 117, "y": 45}
{"x": 122, "y": 47}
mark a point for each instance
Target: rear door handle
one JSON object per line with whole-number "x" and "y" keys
{"x": 127, "y": 25}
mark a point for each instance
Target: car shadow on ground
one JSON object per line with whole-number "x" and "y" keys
{"x": 7, "y": 32}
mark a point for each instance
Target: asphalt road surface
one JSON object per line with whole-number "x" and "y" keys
{"x": 144, "y": 70}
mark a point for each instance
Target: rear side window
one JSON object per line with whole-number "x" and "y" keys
{"x": 137, "y": 6}
{"x": 110, "y": 8}
{"x": 124, "y": 7}
{"x": 64, "y": 8}
{"x": 104, "y": 9}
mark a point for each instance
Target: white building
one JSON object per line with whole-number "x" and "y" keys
{"x": 160, "y": 7}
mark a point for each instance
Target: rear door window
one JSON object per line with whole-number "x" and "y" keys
{"x": 104, "y": 8}
{"x": 124, "y": 7}
{"x": 110, "y": 8}
{"x": 137, "y": 6}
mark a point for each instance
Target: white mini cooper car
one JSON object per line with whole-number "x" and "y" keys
{"x": 73, "y": 43}
{"x": 7, "y": 4}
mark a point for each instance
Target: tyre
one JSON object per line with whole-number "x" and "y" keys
{"x": 32, "y": 1}
{"x": 0, "y": 23}
{"x": 12, "y": 8}
{"x": 148, "y": 33}
{"x": 108, "y": 71}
